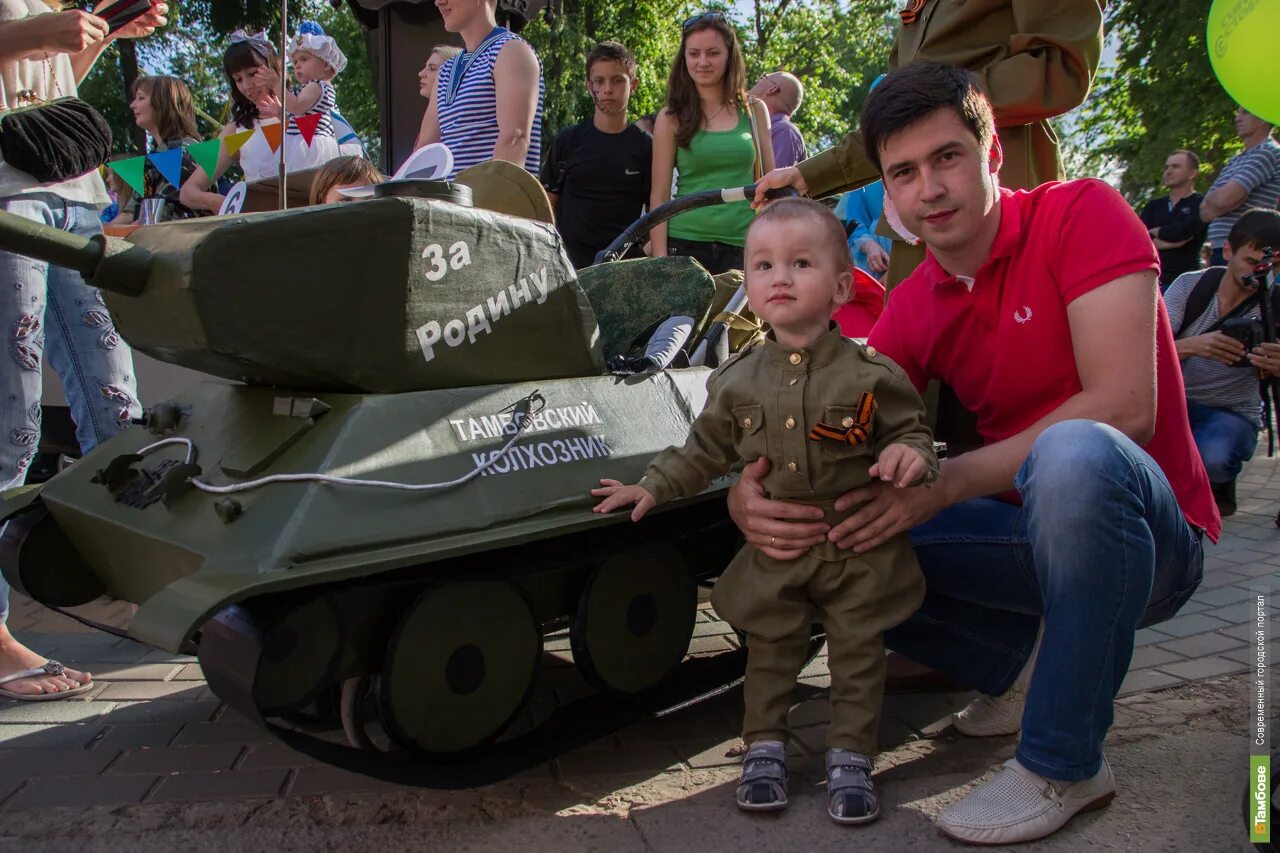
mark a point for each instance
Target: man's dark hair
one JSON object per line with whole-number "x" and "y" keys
{"x": 910, "y": 94}
{"x": 1258, "y": 226}
{"x": 611, "y": 51}
{"x": 1192, "y": 157}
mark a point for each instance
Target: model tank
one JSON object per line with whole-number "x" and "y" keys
{"x": 395, "y": 488}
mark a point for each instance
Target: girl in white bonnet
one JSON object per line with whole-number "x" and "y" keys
{"x": 316, "y": 60}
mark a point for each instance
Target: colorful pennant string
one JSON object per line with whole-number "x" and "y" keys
{"x": 235, "y": 141}
{"x": 206, "y": 154}
{"x": 169, "y": 164}
{"x": 131, "y": 172}
{"x": 307, "y": 125}
{"x": 273, "y": 133}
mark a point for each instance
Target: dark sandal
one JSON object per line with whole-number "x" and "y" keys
{"x": 763, "y": 786}
{"x": 851, "y": 797}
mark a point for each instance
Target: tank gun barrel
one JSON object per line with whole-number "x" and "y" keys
{"x": 105, "y": 262}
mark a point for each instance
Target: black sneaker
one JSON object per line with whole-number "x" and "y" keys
{"x": 1224, "y": 495}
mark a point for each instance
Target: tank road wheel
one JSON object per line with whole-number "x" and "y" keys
{"x": 460, "y": 667}
{"x": 300, "y": 655}
{"x": 635, "y": 620}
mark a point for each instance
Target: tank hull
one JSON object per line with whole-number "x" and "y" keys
{"x": 182, "y": 560}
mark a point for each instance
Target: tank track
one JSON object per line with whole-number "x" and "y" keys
{"x": 238, "y": 644}
{"x": 234, "y": 641}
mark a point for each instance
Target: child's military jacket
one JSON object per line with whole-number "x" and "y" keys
{"x": 821, "y": 416}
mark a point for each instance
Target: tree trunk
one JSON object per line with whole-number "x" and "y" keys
{"x": 129, "y": 73}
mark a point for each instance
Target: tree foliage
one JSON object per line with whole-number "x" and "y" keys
{"x": 649, "y": 28}
{"x": 1161, "y": 95}
{"x": 190, "y": 47}
{"x": 835, "y": 47}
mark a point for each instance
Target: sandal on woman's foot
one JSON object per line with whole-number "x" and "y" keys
{"x": 851, "y": 797}
{"x": 48, "y": 668}
{"x": 763, "y": 786}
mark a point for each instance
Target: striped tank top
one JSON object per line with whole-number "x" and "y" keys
{"x": 468, "y": 105}
{"x": 325, "y": 106}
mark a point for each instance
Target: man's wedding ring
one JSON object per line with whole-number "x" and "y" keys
{"x": 772, "y": 539}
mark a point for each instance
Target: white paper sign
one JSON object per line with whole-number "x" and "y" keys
{"x": 234, "y": 202}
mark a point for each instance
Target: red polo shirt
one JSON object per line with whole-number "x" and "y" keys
{"x": 1005, "y": 348}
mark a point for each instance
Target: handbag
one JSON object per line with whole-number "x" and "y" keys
{"x": 55, "y": 140}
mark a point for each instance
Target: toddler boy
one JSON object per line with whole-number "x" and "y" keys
{"x": 830, "y": 415}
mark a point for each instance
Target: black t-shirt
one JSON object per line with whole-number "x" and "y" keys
{"x": 1177, "y": 222}
{"x": 602, "y": 180}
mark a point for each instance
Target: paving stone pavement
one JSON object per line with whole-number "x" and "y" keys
{"x": 153, "y": 733}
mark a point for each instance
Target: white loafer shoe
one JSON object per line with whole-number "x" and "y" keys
{"x": 991, "y": 716}
{"x": 1018, "y": 805}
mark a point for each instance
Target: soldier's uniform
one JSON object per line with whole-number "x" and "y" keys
{"x": 821, "y": 416}
{"x": 1036, "y": 59}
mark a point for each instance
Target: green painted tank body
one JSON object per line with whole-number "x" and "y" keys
{"x": 385, "y": 340}
{"x": 181, "y": 562}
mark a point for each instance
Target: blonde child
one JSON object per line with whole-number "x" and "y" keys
{"x": 830, "y": 415}
{"x": 253, "y": 71}
{"x": 316, "y": 60}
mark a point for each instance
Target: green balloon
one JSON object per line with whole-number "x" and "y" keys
{"x": 1242, "y": 44}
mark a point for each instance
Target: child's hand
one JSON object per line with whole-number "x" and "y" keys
{"x": 268, "y": 105}
{"x": 267, "y": 77}
{"x": 900, "y": 465}
{"x": 617, "y": 495}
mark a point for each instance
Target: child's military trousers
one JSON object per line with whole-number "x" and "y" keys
{"x": 857, "y": 597}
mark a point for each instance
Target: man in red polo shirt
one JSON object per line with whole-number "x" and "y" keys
{"x": 1080, "y": 518}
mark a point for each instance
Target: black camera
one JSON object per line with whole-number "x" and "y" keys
{"x": 1248, "y": 332}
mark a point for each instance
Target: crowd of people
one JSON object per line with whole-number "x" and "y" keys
{"x": 1111, "y": 378}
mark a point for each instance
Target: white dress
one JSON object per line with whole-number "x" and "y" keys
{"x": 259, "y": 162}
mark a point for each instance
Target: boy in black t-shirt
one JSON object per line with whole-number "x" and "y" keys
{"x": 597, "y": 171}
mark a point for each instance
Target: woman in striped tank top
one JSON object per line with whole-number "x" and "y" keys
{"x": 487, "y": 104}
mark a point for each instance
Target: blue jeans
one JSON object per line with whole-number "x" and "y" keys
{"x": 1098, "y": 548}
{"x": 49, "y": 311}
{"x": 1225, "y": 439}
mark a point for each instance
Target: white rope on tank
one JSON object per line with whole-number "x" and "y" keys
{"x": 522, "y": 418}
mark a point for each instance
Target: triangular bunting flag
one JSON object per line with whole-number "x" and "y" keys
{"x": 169, "y": 162}
{"x": 273, "y": 133}
{"x": 131, "y": 171}
{"x": 236, "y": 141}
{"x": 307, "y": 126}
{"x": 206, "y": 155}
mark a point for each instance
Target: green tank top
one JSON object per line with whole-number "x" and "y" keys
{"x": 715, "y": 160}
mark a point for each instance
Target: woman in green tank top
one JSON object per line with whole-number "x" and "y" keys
{"x": 705, "y": 133}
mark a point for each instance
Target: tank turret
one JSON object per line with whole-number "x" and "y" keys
{"x": 389, "y": 295}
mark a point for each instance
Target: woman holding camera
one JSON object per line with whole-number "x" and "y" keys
{"x": 47, "y": 310}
